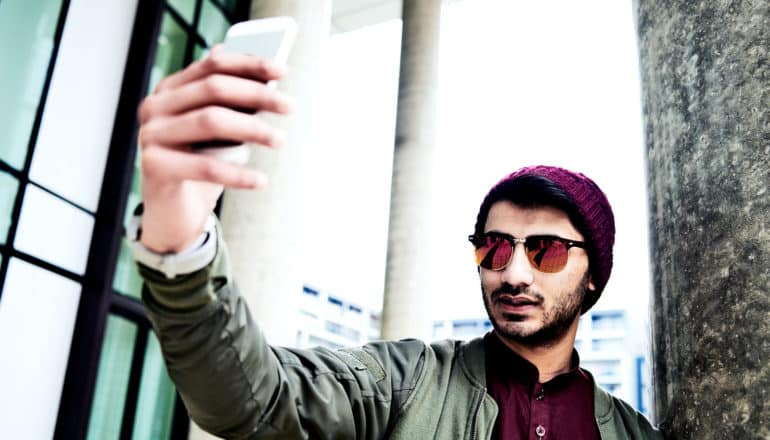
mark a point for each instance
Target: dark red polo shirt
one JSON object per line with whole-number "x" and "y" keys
{"x": 560, "y": 409}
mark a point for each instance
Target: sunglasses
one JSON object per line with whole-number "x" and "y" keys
{"x": 546, "y": 253}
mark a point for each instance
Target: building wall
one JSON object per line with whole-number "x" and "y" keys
{"x": 331, "y": 321}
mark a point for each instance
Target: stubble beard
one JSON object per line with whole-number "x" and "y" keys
{"x": 554, "y": 325}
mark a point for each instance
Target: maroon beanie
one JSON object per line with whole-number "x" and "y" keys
{"x": 593, "y": 216}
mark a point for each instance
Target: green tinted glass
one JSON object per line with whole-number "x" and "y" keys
{"x": 127, "y": 280}
{"x": 199, "y": 52}
{"x": 169, "y": 56}
{"x": 213, "y": 25}
{"x": 27, "y": 30}
{"x": 8, "y": 188}
{"x": 155, "y": 408}
{"x": 112, "y": 379}
{"x": 186, "y": 8}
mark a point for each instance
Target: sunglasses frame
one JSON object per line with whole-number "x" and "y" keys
{"x": 476, "y": 238}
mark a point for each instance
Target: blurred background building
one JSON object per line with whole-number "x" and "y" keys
{"x": 78, "y": 358}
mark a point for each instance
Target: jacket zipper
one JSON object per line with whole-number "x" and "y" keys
{"x": 476, "y": 410}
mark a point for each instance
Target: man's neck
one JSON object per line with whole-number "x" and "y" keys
{"x": 550, "y": 359}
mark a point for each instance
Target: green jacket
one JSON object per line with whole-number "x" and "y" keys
{"x": 235, "y": 385}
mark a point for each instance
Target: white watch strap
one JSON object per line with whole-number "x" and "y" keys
{"x": 195, "y": 257}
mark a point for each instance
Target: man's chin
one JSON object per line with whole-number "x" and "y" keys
{"x": 516, "y": 329}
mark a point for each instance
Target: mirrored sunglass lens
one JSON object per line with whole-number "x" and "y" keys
{"x": 493, "y": 253}
{"x": 547, "y": 255}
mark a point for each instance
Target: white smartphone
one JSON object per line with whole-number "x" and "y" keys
{"x": 269, "y": 38}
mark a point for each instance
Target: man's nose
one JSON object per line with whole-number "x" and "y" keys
{"x": 519, "y": 271}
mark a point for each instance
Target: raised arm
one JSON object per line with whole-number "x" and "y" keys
{"x": 233, "y": 383}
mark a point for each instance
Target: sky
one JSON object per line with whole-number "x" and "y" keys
{"x": 520, "y": 83}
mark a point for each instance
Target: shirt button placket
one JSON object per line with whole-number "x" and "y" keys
{"x": 540, "y": 431}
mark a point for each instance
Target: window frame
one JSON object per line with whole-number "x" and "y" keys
{"x": 99, "y": 298}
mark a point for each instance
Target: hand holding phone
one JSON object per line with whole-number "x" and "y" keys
{"x": 200, "y": 106}
{"x": 268, "y": 38}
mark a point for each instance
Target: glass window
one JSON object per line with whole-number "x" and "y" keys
{"x": 155, "y": 407}
{"x": 27, "y": 30}
{"x": 37, "y": 318}
{"x": 112, "y": 380}
{"x": 127, "y": 279}
{"x": 64, "y": 242}
{"x": 169, "y": 57}
{"x": 185, "y": 8}
{"x": 213, "y": 23}
{"x": 9, "y": 186}
{"x": 200, "y": 52}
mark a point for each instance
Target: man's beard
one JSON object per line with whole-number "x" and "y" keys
{"x": 555, "y": 323}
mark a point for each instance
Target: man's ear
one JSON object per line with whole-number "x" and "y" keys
{"x": 590, "y": 285}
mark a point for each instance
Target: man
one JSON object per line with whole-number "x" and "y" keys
{"x": 543, "y": 241}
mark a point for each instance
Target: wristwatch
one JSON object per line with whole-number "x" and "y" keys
{"x": 193, "y": 258}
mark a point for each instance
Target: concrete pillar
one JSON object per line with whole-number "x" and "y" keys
{"x": 407, "y": 284}
{"x": 705, "y": 69}
{"x": 261, "y": 227}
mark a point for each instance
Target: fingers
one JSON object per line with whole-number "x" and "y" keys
{"x": 220, "y": 61}
{"x": 198, "y": 105}
{"x": 174, "y": 165}
{"x": 215, "y": 89}
{"x": 209, "y": 123}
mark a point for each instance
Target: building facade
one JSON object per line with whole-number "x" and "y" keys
{"x": 78, "y": 357}
{"x": 332, "y": 321}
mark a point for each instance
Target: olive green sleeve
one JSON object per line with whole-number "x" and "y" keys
{"x": 235, "y": 385}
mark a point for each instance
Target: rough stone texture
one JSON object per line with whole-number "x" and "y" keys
{"x": 705, "y": 68}
{"x": 407, "y": 278}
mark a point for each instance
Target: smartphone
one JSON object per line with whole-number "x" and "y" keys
{"x": 269, "y": 38}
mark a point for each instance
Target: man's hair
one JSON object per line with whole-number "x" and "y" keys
{"x": 578, "y": 197}
{"x": 530, "y": 191}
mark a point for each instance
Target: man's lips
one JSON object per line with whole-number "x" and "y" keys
{"x": 516, "y": 302}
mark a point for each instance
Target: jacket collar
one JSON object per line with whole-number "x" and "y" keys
{"x": 473, "y": 364}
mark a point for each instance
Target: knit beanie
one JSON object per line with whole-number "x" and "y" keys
{"x": 594, "y": 221}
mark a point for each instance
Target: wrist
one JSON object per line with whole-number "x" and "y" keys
{"x": 193, "y": 255}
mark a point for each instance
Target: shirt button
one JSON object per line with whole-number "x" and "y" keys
{"x": 540, "y": 431}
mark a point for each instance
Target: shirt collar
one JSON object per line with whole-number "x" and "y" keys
{"x": 506, "y": 363}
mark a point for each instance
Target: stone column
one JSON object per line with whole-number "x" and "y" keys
{"x": 705, "y": 70}
{"x": 407, "y": 284}
{"x": 261, "y": 227}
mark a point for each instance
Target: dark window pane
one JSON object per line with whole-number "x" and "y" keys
{"x": 112, "y": 379}
{"x": 229, "y": 5}
{"x": 9, "y": 186}
{"x": 155, "y": 408}
{"x": 27, "y": 30}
